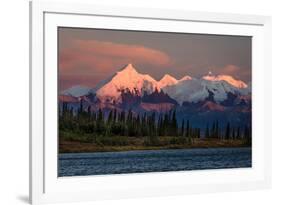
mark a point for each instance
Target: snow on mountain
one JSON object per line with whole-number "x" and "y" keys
{"x": 167, "y": 80}
{"x": 187, "y": 77}
{"x": 195, "y": 90}
{"x": 116, "y": 88}
{"x": 76, "y": 91}
{"x": 128, "y": 79}
{"x": 189, "y": 91}
{"x": 227, "y": 78}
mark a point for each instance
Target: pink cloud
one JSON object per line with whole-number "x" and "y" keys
{"x": 66, "y": 81}
{"x": 231, "y": 69}
{"x": 87, "y": 55}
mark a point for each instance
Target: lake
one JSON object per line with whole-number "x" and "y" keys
{"x": 100, "y": 163}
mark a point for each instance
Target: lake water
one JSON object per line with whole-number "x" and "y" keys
{"x": 99, "y": 163}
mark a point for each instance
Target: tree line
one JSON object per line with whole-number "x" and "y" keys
{"x": 228, "y": 132}
{"x": 151, "y": 126}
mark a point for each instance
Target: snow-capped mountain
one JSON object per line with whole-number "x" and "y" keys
{"x": 221, "y": 97}
{"x": 195, "y": 90}
{"x": 232, "y": 81}
{"x": 128, "y": 79}
{"x": 76, "y": 91}
{"x": 129, "y": 85}
{"x": 167, "y": 80}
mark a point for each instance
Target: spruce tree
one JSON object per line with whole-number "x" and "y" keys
{"x": 238, "y": 133}
{"x": 100, "y": 123}
{"x": 166, "y": 124}
{"x": 207, "y": 134}
{"x": 114, "y": 115}
{"x": 174, "y": 124}
{"x": 213, "y": 130}
{"x": 227, "y": 131}
{"x": 217, "y": 129}
{"x": 182, "y": 128}
{"x": 110, "y": 117}
{"x": 138, "y": 126}
{"x": 191, "y": 133}
{"x": 233, "y": 133}
{"x": 246, "y": 132}
{"x": 198, "y": 133}
{"x": 187, "y": 129}
{"x": 81, "y": 106}
{"x": 89, "y": 111}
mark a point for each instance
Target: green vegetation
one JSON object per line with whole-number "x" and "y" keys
{"x": 84, "y": 130}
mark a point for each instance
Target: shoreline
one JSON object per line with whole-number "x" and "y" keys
{"x": 83, "y": 147}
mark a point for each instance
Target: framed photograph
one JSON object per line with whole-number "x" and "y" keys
{"x": 129, "y": 102}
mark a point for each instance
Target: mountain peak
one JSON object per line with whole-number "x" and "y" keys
{"x": 129, "y": 67}
{"x": 167, "y": 80}
{"x": 168, "y": 77}
{"x": 127, "y": 79}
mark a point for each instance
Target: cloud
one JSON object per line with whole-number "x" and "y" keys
{"x": 67, "y": 81}
{"x": 231, "y": 69}
{"x": 90, "y": 55}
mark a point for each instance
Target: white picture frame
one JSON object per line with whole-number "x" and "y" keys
{"x": 46, "y": 187}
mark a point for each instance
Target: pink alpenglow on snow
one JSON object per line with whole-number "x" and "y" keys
{"x": 227, "y": 78}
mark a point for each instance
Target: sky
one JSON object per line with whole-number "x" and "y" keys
{"x": 87, "y": 56}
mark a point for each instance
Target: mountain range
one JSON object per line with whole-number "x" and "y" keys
{"x": 210, "y": 96}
